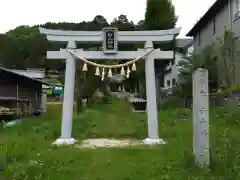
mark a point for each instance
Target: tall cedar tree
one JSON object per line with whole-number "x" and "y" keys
{"x": 160, "y": 14}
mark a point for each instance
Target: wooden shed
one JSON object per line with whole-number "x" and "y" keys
{"x": 18, "y": 90}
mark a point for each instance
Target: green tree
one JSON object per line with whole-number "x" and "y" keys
{"x": 228, "y": 56}
{"x": 204, "y": 59}
{"x": 123, "y": 24}
{"x": 4, "y": 47}
{"x": 27, "y": 48}
{"x": 160, "y": 14}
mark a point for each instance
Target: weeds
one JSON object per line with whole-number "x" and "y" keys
{"x": 26, "y": 151}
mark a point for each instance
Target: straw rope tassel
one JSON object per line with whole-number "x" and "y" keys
{"x": 85, "y": 68}
{"x": 134, "y": 68}
{"x": 97, "y": 72}
{"x": 128, "y": 72}
{"x": 122, "y": 71}
{"x": 103, "y": 74}
{"x": 110, "y": 73}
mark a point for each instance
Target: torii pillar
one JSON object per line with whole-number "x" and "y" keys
{"x": 68, "y": 102}
{"x": 152, "y": 113}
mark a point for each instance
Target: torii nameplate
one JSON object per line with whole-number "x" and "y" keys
{"x": 110, "y": 40}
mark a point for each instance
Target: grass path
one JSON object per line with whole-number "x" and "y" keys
{"x": 26, "y": 151}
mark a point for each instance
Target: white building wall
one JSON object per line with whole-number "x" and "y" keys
{"x": 223, "y": 20}
{"x": 227, "y": 18}
{"x": 174, "y": 73}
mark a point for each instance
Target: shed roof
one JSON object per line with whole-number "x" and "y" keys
{"x": 2, "y": 69}
{"x": 207, "y": 17}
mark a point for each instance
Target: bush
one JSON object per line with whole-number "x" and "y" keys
{"x": 171, "y": 102}
{"x": 182, "y": 113}
{"x": 232, "y": 89}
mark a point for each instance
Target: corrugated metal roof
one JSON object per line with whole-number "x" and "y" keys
{"x": 12, "y": 72}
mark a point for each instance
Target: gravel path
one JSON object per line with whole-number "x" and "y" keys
{"x": 100, "y": 143}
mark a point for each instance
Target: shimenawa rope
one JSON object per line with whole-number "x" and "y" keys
{"x": 109, "y": 66}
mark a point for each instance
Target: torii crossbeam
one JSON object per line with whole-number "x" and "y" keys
{"x": 146, "y": 37}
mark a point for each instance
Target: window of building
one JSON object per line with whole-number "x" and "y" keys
{"x": 214, "y": 25}
{"x": 168, "y": 83}
{"x": 174, "y": 82}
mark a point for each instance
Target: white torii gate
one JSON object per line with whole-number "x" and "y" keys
{"x": 146, "y": 37}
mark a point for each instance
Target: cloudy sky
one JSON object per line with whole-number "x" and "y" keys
{"x": 30, "y": 12}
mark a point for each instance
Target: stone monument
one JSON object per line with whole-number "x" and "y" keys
{"x": 201, "y": 117}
